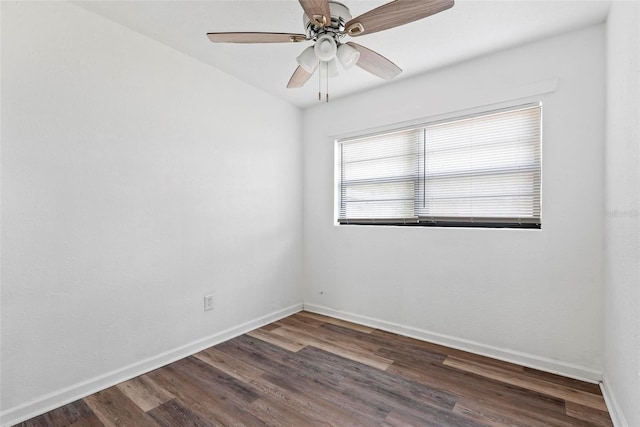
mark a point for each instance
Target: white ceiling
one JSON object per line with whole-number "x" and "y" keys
{"x": 470, "y": 29}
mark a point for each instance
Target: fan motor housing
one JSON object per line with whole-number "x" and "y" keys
{"x": 340, "y": 15}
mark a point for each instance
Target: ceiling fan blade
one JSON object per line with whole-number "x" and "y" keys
{"x": 375, "y": 63}
{"x": 256, "y": 37}
{"x": 317, "y": 11}
{"x": 394, "y": 14}
{"x": 299, "y": 78}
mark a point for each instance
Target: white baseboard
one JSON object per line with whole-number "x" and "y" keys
{"x": 529, "y": 360}
{"x": 70, "y": 394}
{"x": 617, "y": 417}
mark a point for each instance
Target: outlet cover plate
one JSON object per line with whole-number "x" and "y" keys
{"x": 208, "y": 302}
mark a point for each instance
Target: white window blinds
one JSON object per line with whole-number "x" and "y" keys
{"x": 482, "y": 170}
{"x": 378, "y": 176}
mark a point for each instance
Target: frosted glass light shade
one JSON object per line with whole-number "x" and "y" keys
{"x": 325, "y": 48}
{"x": 308, "y": 60}
{"x": 347, "y": 56}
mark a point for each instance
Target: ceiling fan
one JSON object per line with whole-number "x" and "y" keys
{"x": 327, "y": 23}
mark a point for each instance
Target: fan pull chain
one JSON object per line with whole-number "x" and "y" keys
{"x": 326, "y": 75}
{"x": 323, "y": 80}
{"x": 320, "y": 82}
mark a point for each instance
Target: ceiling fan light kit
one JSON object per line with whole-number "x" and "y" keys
{"x": 326, "y": 23}
{"x": 347, "y": 56}
{"x": 308, "y": 60}
{"x": 326, "y": 47}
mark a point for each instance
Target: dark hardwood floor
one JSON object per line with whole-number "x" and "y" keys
{"x": 308, "y": 370}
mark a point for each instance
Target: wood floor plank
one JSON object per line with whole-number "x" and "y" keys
{"x": 495, "y": 399}
{"x": 342, "y": 349}
{"x": 445, "y": 351}
{"x": 232, "y": 366}
{"x": 302, "y": 399}
{"x": 485, "y": 391}
{"x": 88, "y": 421}
{"x": 204, "y": 402}
{"x": 376, "y": 387}
{"x": 407, "y": 419}
{"x": 409, "y": 350}
{"x": 309, "y": 369}
{"x": 508, "y": 415}
{"x": 272, "y": 412}
{"x": 172, "y": 414}
{"x": 594, "y": 416}
{"x": 276, "y": 339}
{"x": 499, "y": 399}
{"x": 293, "y": 372}
{"x": 558, "y": 379}
{"x": 270, "y": 327}
{"x": 339, "y": 336}
{"x": 381, "y": 346}
{"x": 68, "y": 414}
{"x": 355, "y": 388}
{"x": 144, "y": 394}
{"x": 486, "y": 415}
{"x": 214, "y": 380}
{"x": 337, "y": 322}
{"x": 349, "y": 338}
{"x": 541, "y": 386}
{"x": 114, "y": 409}
{"x": 303, "y": 322}
{"x": 410, "y": 355}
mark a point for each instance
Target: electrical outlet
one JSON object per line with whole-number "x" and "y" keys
{"x": 208, "y": 302}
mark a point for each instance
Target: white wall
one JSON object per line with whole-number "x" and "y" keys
{"x": 533, "y": 296}
{"x": 135, "y": 180}
{"x": 622, "y": 219}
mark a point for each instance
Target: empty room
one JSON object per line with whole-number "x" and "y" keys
{"x": 320, "y": 213}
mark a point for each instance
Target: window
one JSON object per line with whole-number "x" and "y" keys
{"x": 482, "y": 170}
